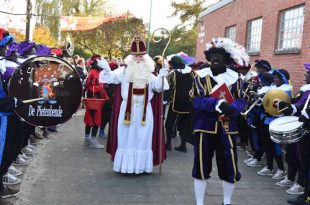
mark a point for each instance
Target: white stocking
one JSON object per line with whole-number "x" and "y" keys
{"x": 228, "y": 189}
{"x": 200, "y": 189}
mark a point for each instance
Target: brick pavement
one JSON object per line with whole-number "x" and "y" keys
{"x": 65, "y": 172}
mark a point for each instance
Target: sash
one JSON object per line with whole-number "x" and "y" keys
{"x": 134, "y": 91}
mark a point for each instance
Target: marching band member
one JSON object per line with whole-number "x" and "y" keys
{"x": 242, "y": 86}
{"x": 273, "y": 150}
{"x": 215, "y": 126}
{"x": 265, "y": 80}
{"x": 92, "y": 118}
{"x": 297, "y": 151}
{"x": 134, "y": 132}
{"x": 10, "y": 128}
{"x": 180, "y": 83}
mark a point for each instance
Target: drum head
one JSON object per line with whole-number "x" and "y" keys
{"x": 285, "y": 123}
{"x": 51, "y": 78}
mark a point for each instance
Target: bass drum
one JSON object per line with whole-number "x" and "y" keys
{"x": 286, "y": 130}
{"x": 53, "y": 78}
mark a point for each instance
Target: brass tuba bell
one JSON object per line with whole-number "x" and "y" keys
{"x": 270, "y": 97}
{"x": 69, "y": 46}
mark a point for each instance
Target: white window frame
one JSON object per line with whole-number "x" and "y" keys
{"x": 291, "y": 28}
{"x": 254, "y": 35}
{"x": 230, "y": 32}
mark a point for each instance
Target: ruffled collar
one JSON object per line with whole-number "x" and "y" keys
{"x": 2, "y": 65}
{"x": 263, "y": 90}
{"x": 229, "y": 77}
{"x": 305, "y": 88}
{"x": 11, "y": 64}
{"x": 284, "y": 87}
{"x": 186, "y": 70}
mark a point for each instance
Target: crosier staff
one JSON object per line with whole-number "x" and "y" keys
{"x": 163, "y": 31}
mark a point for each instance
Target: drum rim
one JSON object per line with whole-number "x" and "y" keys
{"x": 57, "y": 59}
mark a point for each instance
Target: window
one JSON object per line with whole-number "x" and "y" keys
{"x": 230, "y": 32}
{"x": 291, "y": 28}
{"x": 254, "y": 35}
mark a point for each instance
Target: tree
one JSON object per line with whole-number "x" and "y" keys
{"x": 18, "y": 36}
{"x": 189, "y": 12}
{"x": 184, "y": 35}
{"x": 110, "y": 39}
{"x": 50, "y": 11}
{"x": 181, "y": 40}
{"x": 42, "y": 35}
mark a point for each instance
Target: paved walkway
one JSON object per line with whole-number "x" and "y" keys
{"x": 65, "y": 172}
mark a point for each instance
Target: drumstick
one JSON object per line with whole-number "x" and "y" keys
{"x": 288, "y": 122}
{"x": 45, "y": 98}
{"x": 283, "y": 109}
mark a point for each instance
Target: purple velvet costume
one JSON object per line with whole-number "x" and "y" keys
{"x": 210, "y": 135}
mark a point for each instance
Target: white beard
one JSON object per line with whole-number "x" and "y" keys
{"x": 140, "y": 73}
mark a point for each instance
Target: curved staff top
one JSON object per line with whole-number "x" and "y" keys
{"x": 53, "y": 78}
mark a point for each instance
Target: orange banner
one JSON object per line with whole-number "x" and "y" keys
{"x": 71, "y": 23}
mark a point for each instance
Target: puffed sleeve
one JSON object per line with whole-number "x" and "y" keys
{"x": 156, "y": 84}
{"x": 112, "y": 77}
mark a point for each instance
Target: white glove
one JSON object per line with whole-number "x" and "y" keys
{"x": 163, "y": 72}
{"x": 218, "y": 104}
{"x": 104, "y": 65}
{"x": 259, "y": 101}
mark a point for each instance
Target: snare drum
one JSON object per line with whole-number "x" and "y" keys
{"x": 286, "y": 130}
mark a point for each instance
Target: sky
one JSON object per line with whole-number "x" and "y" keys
{"x": 161, "y": 9}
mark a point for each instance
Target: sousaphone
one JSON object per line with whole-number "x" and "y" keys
{"x": 69, "y": 46}
{"x": 269, "y": 99}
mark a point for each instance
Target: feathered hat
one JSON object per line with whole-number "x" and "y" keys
{"x": 7, "y": 39}
{"x": 42, "y": 50}
{"x": 57, "y": 52}
{"x": 24, "y": 47}
{"x": 11, "y": 49}
{"x": 263, "y": 64}
{"x": 284, "y": 76}
{"x": 307, "y": 66}
{"x": 232, "y": 51}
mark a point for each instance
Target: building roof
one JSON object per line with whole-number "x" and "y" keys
{"x": 215, "y": 7}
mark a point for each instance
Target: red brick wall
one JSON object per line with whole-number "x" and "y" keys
{"x": 239, "y": 12}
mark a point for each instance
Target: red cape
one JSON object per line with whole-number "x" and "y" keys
{"x": 156, "y": 103}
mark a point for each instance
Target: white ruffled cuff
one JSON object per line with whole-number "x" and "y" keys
{"x": 294, "y": 109}
{"x": 218, "y": 104}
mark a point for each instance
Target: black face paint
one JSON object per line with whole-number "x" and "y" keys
{"x": 217, "y": 63}
{"x": 307, "y": 77}
{"x": 277, "y": 80}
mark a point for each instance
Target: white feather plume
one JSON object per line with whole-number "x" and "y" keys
{"x": 236, "y": 51}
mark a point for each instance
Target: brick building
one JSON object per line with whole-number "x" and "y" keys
{"x": 275, "y": 30}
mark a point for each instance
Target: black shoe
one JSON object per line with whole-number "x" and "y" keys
{"x": 168, "y": 147}
{"x": 9, "y": 192}
{"x": 52, "y": 129}
{"x": 181, "y": 149}
{"x": 226, "y": 204}
{"x": 299, "y": 200}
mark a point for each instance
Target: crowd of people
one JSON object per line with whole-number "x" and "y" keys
{"x": 19, "y": 139}
{"x": 200, "y": 116}
{"x": 217, "y": 106}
